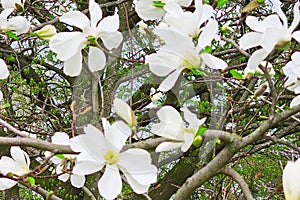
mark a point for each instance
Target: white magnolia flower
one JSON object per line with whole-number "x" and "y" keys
{"x": 76, "y": 180}
{"x": 173, "y": 127}
{"x": 152, "y": 10}
{"x": 292, "y": 71}
{"x": 291, "y": 179}
{"x": 125, "y": 112}
{"x": 98, "y": 150}
{"x": 46, "y": 32}
{"x": 16, "y": 24}
{"x": 68, "y": 45}
{"x": 155, "y": 95}
{"x": 18, "y": 165}
{"x": 14, "y": 4}
{"x": 187, "y": 22}
{"x": 179, "y": 53}
{"x": 4, "y": 73}
{"x": 269, "y": 33}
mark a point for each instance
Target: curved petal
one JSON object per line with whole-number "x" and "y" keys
{"x": 295, "y": 101}
{"x": 290, "y": 180}
{"x": 296, "y": 59}
{"x": 77, "y": 180}
{"x": 190, "y": 117}
{"x": 147, "y": 11}
{"x": 96, "y": 60}
{"x": 67, "y": 44}
{"x": 111, "y": 39}
{"x": 277, "y": 8}
{"x": 110, "y": 184}
{"x": 162, "y": 63}
{"x": 250, "y": 40}
{"x": 18, "y": 24}
{"x": 256, "y": 58}
{"x": 6, "y": 183}
{"x": 60, "y": 138}
{"x": 137, "y": 163}
{"x": 4, "y": 73}
{"x": 296, "y": 36}
{"x": 170, "y": 125}
{"x": 76, "y": 18}
{"x": 188, "y": 141}
{"x": 296, "y": 19}
{"x": 72, "y": 66}
{"x": 63, "y": 177}
{"x": 169, "y": 82}
{"x": 213, "y": 62}
{"x": 21, "y": 158}
{"x": 87, "y": 167}
{"x": 168, "y": 146}
{"x": 125, "y": 111}
{"x": 95, "y": 13}
{"x": 271, "y": 37}
{"x": 208, "y": 34}
{"x": 109, "y": 24}
{"x": 1, "y": 95}
{"x": 8, "y": 4}
{"x": 116, "y": 134}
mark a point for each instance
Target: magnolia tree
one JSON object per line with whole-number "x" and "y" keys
{"x": 176, "y": 99}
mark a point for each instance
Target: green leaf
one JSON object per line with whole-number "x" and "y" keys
{"x": 11, "y": 35}
{"x": 30, "y": 180}
{"x": 198, "y": 72}
{"x": 236, "y": 74}
{"x": 222, "y": 3}
{"x": 219, "y": 85}
{"x": 60, "y": 156}
{"x": 201, "y": 130}
{"x": 7, "y": 105}
{"x": 158, "y": 4}
{"x": 208, "y": 49}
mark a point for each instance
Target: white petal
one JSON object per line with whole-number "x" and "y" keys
{"x": 77, "y": 180}
{"x": 190, "y": 117}
{"x": 136, "y": 186}
{"x": 1, "y": 95}
{"x": 212, "y": 61}
{"x": 63, "y": 177}
{"x": 6, "y": 183}
{"x": 109, "y": 24}
{"x": 170, "y": 125}
{"x": 97, "y": 59}
{"x": 116, "y": 134}
{"x": 95, "y": 13}
{"x": 276, "y": 5}
{"x": 296, "y": 19}
{"x": 110, "y": 184}
{"x": 20, "y": 156}
{"x": 250, "y": 40}
{"x": 60, "y": 138}
{"x": 169, "y": 82}
{"x": 67, "y": 44}
{"x": 185, "y": 3}
{"x": 188, "y": 140}
{"x": 291, "y": 179}
{"x": 147, "y": 11}
{"x": 6, "y": 4}
{"x": 295, "y": 101}
{"x": 270, "y": 38}
{"x": 76, "y": 18}
{"x": 296, "y": 36}
{"x": 111, "y": 40}
{"x": 72, "y": 66}
{"x": 208, "y": 34}
{"x": 87, "y": 167}
{"x": 296, "y": 58}
{"x": 162, "y": 63}
{"x": 168, "y": 146}
{"x": 18, "y": 24}
{"x": 256, "y": 58}
{"x": 137, "y": 163}
{"x": 4, "y": 73}
{"x": 124, "y": 111}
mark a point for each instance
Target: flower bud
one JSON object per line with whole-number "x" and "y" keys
{"x": 46, "y": 32}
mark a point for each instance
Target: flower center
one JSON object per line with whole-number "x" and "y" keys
{"x": 111, "y": 157}
{"x": 188, "y": 130}
{"x": 191, "y": 61}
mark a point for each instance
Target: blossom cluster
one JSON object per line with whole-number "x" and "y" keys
{"x": 184, "y": 37}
